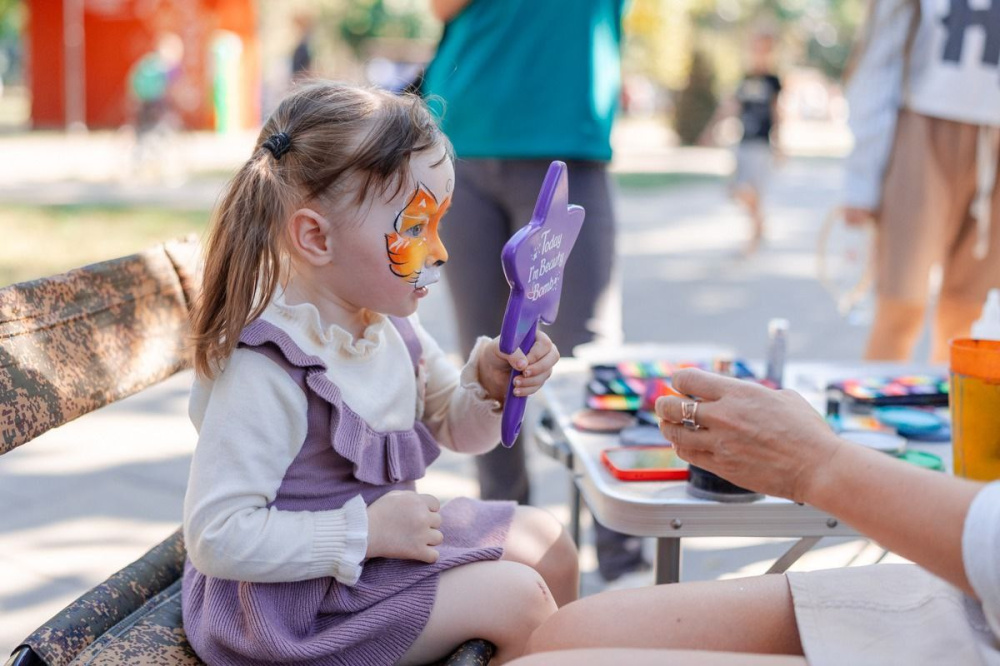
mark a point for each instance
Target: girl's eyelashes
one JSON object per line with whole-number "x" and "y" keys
{"x": 415, "y": 230}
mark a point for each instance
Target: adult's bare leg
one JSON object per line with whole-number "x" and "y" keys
{"x": 636, "y": 657}
{"x": 752, "y": 614}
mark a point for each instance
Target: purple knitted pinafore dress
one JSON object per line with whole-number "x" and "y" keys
{"x": 322, "y": 621}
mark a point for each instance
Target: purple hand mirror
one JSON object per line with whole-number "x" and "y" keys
{"x": 533, "y": 261}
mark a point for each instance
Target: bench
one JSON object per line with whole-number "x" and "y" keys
{"x": 72, "y": 343}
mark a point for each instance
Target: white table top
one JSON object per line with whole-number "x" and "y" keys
{"x": 663, "y": 508}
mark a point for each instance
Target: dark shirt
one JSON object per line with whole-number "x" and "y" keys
{"x": 301, "y": 58}
{"x": 757, "y": 95}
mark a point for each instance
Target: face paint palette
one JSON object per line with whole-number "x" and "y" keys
{"x": 634, "y": 386}
{"x": 905, "y": 390}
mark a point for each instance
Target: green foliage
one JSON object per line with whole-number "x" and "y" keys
{"x": 11, "y": 19}
{"x": 697, "y": 102}
{"x": 364, "y": 20}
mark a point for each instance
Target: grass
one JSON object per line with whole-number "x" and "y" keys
{"x": 659, "y": 180}
{"x": 36, "y": 241}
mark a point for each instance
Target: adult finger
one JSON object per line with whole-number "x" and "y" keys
{"x": 685, "y": 438}
{"x": 671, "y": 409}
{"x": 703, "y": 459}
{"x": 432, "y": 502}
{"x": 706, "y": 385}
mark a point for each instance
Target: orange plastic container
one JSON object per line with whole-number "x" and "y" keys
{"x": 975, "y": 408}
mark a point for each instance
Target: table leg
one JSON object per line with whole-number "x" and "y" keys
{"x": 668, "y": 560}
{"x": 574, "y": 510}
{"x": 800, "y": 548}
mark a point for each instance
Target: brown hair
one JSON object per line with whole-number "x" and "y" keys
{"x": 342, "y": 137}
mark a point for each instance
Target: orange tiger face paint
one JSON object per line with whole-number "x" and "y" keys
{"x": 414, "y": 248}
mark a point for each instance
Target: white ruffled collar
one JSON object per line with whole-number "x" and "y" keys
{"x": 303, "y": 322}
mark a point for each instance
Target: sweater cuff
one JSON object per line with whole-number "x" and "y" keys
{"x": 862, "y": 192}
{"x": 469, "y": 378}
{"x": 981, "y": 551}
{"x": 340, "y": 541}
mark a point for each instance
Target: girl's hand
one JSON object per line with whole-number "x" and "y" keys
{"x": 768, "y": 441}
{"x": 856, "y": 217}
{"x": 405, "y": 526}
{"x": 536, "y": 367}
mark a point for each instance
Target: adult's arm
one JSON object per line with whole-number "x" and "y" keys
{"x": 775, "y": 442}
{"x": 874, "y": 96}
{"x": 446, "y": 10}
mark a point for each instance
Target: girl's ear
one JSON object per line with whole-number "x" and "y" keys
{"x": 309, "y": 236}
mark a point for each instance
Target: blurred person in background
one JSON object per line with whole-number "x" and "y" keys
{"x": 524, "y": 83}
{"x": 150, "y": 83}
{"x": 302, "y": 56}
{"x": 757, "y": 100}
{"x": 924, "y": 95}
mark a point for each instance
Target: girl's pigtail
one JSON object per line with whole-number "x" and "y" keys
{"x": 242, "y": 261}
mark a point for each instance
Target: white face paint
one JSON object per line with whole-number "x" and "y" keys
{"x": 428, "y": 276}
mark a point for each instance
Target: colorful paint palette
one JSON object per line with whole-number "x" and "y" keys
{"x": 931, "y": 390}
{"x": 635, "y": 385}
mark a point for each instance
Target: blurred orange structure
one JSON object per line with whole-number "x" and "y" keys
{"x": 81, "y": 52}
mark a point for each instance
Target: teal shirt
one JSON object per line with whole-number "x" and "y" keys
{"x": 529, "y": 78}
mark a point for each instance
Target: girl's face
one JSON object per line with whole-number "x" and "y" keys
{"x": 387, "y": 259}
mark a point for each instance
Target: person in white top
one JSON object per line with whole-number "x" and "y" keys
{"x": 944, "y": 609}
{"x": 924, "y": 97}
{"x": 320, "y": 401}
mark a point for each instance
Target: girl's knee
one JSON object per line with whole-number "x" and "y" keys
{"x": 527, "y": 600}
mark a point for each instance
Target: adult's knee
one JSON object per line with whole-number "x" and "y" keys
{"x": 558, "y": 631}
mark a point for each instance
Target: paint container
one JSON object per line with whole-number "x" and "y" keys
{"x": 593, "y": 420}
{"x": 975, "y": 408}
{"x": 777, "y": 348}
{"x": 705, "y": 485}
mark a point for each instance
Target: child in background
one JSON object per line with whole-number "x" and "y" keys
{"x": 757, "y": 96}
{"x": 320, "y": 400}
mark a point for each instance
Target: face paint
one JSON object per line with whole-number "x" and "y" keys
{"x": 414, "y": 249}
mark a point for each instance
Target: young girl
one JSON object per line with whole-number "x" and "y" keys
{"x": 320, "y": 400}
{"x": 925, "y": 112}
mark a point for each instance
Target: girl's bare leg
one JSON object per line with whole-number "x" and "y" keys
{"x": 502, "y": 602}
{"x": 633, "y": 657}
{"x": 742, "y": 615}
{"x": 538, "y": 539}
{"x": 895, "y": 330}
{"x": 953, "y": 319}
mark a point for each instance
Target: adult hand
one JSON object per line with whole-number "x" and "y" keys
{"x": 536, "y": 367}
{"x": 857, "y": 217}
{"x": 404, "y": 525}
{"x": 769, "y": 441}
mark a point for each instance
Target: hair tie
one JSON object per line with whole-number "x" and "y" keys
{"x": 278, "y": 143}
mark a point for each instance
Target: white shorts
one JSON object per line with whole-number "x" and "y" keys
{"x": 888, "y": 614}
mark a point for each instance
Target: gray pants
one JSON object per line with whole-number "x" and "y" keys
{"x": 493, "y": 199}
